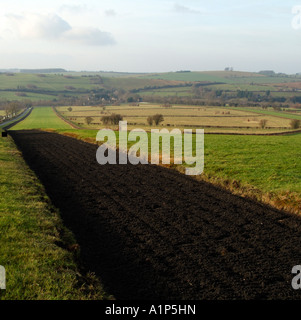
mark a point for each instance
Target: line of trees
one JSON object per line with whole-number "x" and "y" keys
{"x": 156, "y": 119}
{"x": 295, "y": 123}
{"x": 13, "y": 108}
{"x": 112, "y": 119}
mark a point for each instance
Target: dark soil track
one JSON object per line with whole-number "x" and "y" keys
{"x": 152, "y": 233}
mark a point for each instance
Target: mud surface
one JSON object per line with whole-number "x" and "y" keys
{"x": 151, "y": 233}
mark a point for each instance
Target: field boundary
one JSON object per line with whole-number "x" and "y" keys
{"x": 287, "y": 202}
{"x": 256, "y": 134}
{"x": 273, "y": 113}
{"x": 65, "y": 120}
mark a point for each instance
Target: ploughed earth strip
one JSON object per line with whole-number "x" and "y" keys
{"x": 151, "y": 233}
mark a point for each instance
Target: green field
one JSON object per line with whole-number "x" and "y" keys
{"x": 34, "y": 242}
{"x": 42, "y": 118}
{"x": 179, "y": 92}
{"x": 281, "y": 114}
{"x": 37, "y": 87}
{"x": 50, "y": 82}
{"x": 229, "y": 77}
{"x": 11, "y": 96}
{"x": 135, "y": 83}
{"x": 51, "y": 86}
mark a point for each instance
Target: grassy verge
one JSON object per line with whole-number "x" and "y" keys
{"x": 42, "y": 118}
{"x": 39, "y": 254}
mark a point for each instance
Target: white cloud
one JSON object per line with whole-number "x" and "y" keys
{"x": 183, "y": 9}
{"x": 89, "y": 36}
{"x": 36, "y": 26}
{"x": 52, "y": 27}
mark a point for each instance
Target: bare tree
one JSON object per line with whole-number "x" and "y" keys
{"x": 158, "y": 118}
{"x": 105, "y": 120}
{"x": 263, "y": 123}
{"x": 115, "y": 118}
{"x": 150, "y": 120}
{"x": 7, "y": 111}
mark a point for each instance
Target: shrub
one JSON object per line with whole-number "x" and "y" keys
{"x": 263, "y": 123}
{"x": 88, "y": 120}
{"x": 150, "y": 120}
{"x": 112, "y": 119}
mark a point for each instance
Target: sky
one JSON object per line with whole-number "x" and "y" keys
{"x": 151, "y": 36}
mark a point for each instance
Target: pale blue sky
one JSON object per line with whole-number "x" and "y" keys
{"x": 150, "y": 36}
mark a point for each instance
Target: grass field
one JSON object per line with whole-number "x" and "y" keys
{"x": 11, "y": 96}
{"x": 281, "y": 114}
{"x": 235, "y": 120}
{"x": 179, "y": 92}
{"x": 46, "y": 87}
{"x": 49, "y": 86}
{"x": 50, "y": 82}
{"x": 35, "y": 247}
{"x": 220, "y": 76}
{"x": 42, "y": 118}
{"x": 138, "y": 83}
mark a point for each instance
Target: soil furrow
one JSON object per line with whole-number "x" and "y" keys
{"x": 151, "y": 233}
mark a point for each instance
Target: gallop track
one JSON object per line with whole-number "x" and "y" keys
{"x": 151, "y": 233}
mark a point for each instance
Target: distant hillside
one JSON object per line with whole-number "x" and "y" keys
{"x": 52, "y": 70}
{"x": 228, "y": 77}
{"x": 9, "y": 70}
